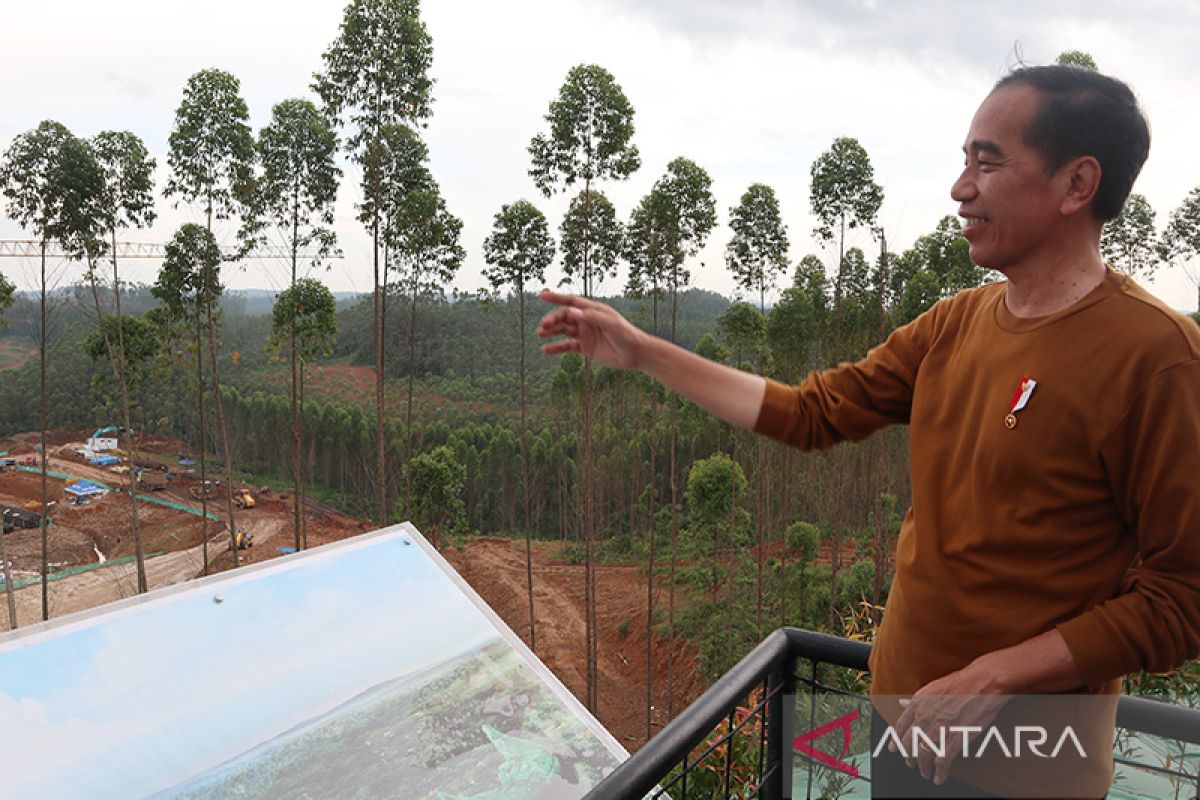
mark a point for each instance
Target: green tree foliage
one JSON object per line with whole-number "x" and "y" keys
{"x": 394, "y": 166}
{"x": 646, "y": 250}
{"x": 796, "y": 325}
{"x": 189, "y": 286}
{"x": 190, "y": 276}
{"x": 53, "y": 185}
{"x": 1181, "y": 239}
{"x": 591, "y": 237}
{"x": 142, "y": 346}
{"x": 803, "y": 541}
{"x": 937, "y": 265}
{"x": 377, "y": 70}
{"x": 298, "y": 182}
{"x": 308, "y": 308}
{"x": 127, "y": 193}
{"x": 947, "y": 254}
{"x": 712, "y": 485}
{"x": 670, "y": 225}
{"x": 1129, "y": 243}
{"x": 591, "y": 128}
{"x": 843, "y": 195}
{"x": 1076, "y": 58}
{"x": 757, "y": 252}
{"x": 920, "y": 293}
{"x": 422, "y": 238}
{"x": 519, "y": 249}
{"x": 8, "y": 291}
{"x": 438, "y": 480}
{"x": 710, "y": 348}
{"x": 211, "y": 148}
{"x": 743, "y": 328}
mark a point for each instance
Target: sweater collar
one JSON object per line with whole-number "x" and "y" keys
{"x": 1007, "y": 321}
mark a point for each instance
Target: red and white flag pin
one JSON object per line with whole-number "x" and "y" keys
{"x": 1019, "y": 401}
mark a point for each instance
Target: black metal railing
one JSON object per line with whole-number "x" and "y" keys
{"x": 697, "y": 754}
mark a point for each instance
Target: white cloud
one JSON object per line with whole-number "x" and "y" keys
{"x": 751, "y": 91}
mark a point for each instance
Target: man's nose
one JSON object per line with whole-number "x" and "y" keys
{"x": 964, "y": 188}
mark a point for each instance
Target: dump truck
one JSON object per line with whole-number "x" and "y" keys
{"x": 152, "y": 480}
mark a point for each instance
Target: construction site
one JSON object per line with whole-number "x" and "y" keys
{"x": 91, "y": 559}
{"x": 181, "y": 520}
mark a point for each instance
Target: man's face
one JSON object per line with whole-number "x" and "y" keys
{"x": 1008, "y": 204}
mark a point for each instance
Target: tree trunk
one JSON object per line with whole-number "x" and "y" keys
{"x": 412, "y": 369}
{"x": 653, "y": 530}
{"x": 589, "y": 511}
{"x": 203, "y": 442}
{"x": 122, "y": 366}
{"x": 119, "y": 374}
{"x": 380, "y": 457}
{"x": 674, "y": 520}
{"x": 42, "y": 421}
{"x": 835, "y": 539}
{"x": 294, "y": 388}
{"x": 520, "y": 285}
{"x": 8, "y": 587}
{"x": 212, "y": 356}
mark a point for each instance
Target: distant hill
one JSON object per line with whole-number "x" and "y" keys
{"x": 256, "y": 302}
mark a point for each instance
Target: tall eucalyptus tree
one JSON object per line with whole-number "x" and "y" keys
{"x": 188, "y": 285}
{"x": 1181, "y": 239}
{"x": 757, "y": 256}
{"x": 843, "y": 196}
{"x": 518, "y": 251}
{"x": 590, "y": 139}
{"x": 1130, "y": 242}
{"x": 211, "y": 161}
{"x": 422, "y": 246}
{"x": 294, "y": 194}
{"x": 126, "y": 200}
{"x": 8, "y": 291}
{"x": 305, "y": 316}
{"x": 377, "y": 75}
{"x": 51, "y": 182}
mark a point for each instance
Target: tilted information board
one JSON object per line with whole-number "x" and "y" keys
{"x": 362, "y": 669}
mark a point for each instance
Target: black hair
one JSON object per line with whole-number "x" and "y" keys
{"x": 1084, "y": 113}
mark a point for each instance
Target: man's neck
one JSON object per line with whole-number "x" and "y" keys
{"x": 1047, "y": 286}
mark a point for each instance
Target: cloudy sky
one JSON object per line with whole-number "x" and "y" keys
{"x": 752, "y": 90}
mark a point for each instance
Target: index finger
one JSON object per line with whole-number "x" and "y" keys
{"x": 572, "y": 300}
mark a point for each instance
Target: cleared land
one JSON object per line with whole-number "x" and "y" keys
{"x": 495, "y": 567}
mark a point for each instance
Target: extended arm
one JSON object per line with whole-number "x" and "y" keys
{"x": 602, "y": 334}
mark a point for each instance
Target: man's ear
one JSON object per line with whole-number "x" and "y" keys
{"x": 1081, "y": 181}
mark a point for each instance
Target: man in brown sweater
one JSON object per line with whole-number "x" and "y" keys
{"x": 1053, "y": 543}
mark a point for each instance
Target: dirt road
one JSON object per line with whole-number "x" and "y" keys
{"x": 495, "y": 568}
{"x": 109, "y": 584}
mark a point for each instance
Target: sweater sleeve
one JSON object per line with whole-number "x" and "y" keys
{"x": 1153, "y": 462}
{"x": 853, "y": 400}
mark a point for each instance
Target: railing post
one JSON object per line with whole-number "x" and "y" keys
{"x": 781, "y": 710}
